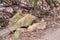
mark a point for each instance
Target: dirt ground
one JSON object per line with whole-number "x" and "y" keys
{"x": 52, "y": 31}
{"x": 48, "y": 34}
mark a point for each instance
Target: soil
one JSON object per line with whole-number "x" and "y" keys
{"x": 52, "y": 31}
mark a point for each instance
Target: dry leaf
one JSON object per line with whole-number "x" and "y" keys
{"x": 58, "y": 8}
{"x": 9, "y": 9}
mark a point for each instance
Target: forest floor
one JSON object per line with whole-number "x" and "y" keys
{"x": 52, "y": 31}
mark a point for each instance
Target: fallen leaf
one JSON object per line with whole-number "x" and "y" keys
{"x": 9, "y": 9}
{"x": 58, "y": 8}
